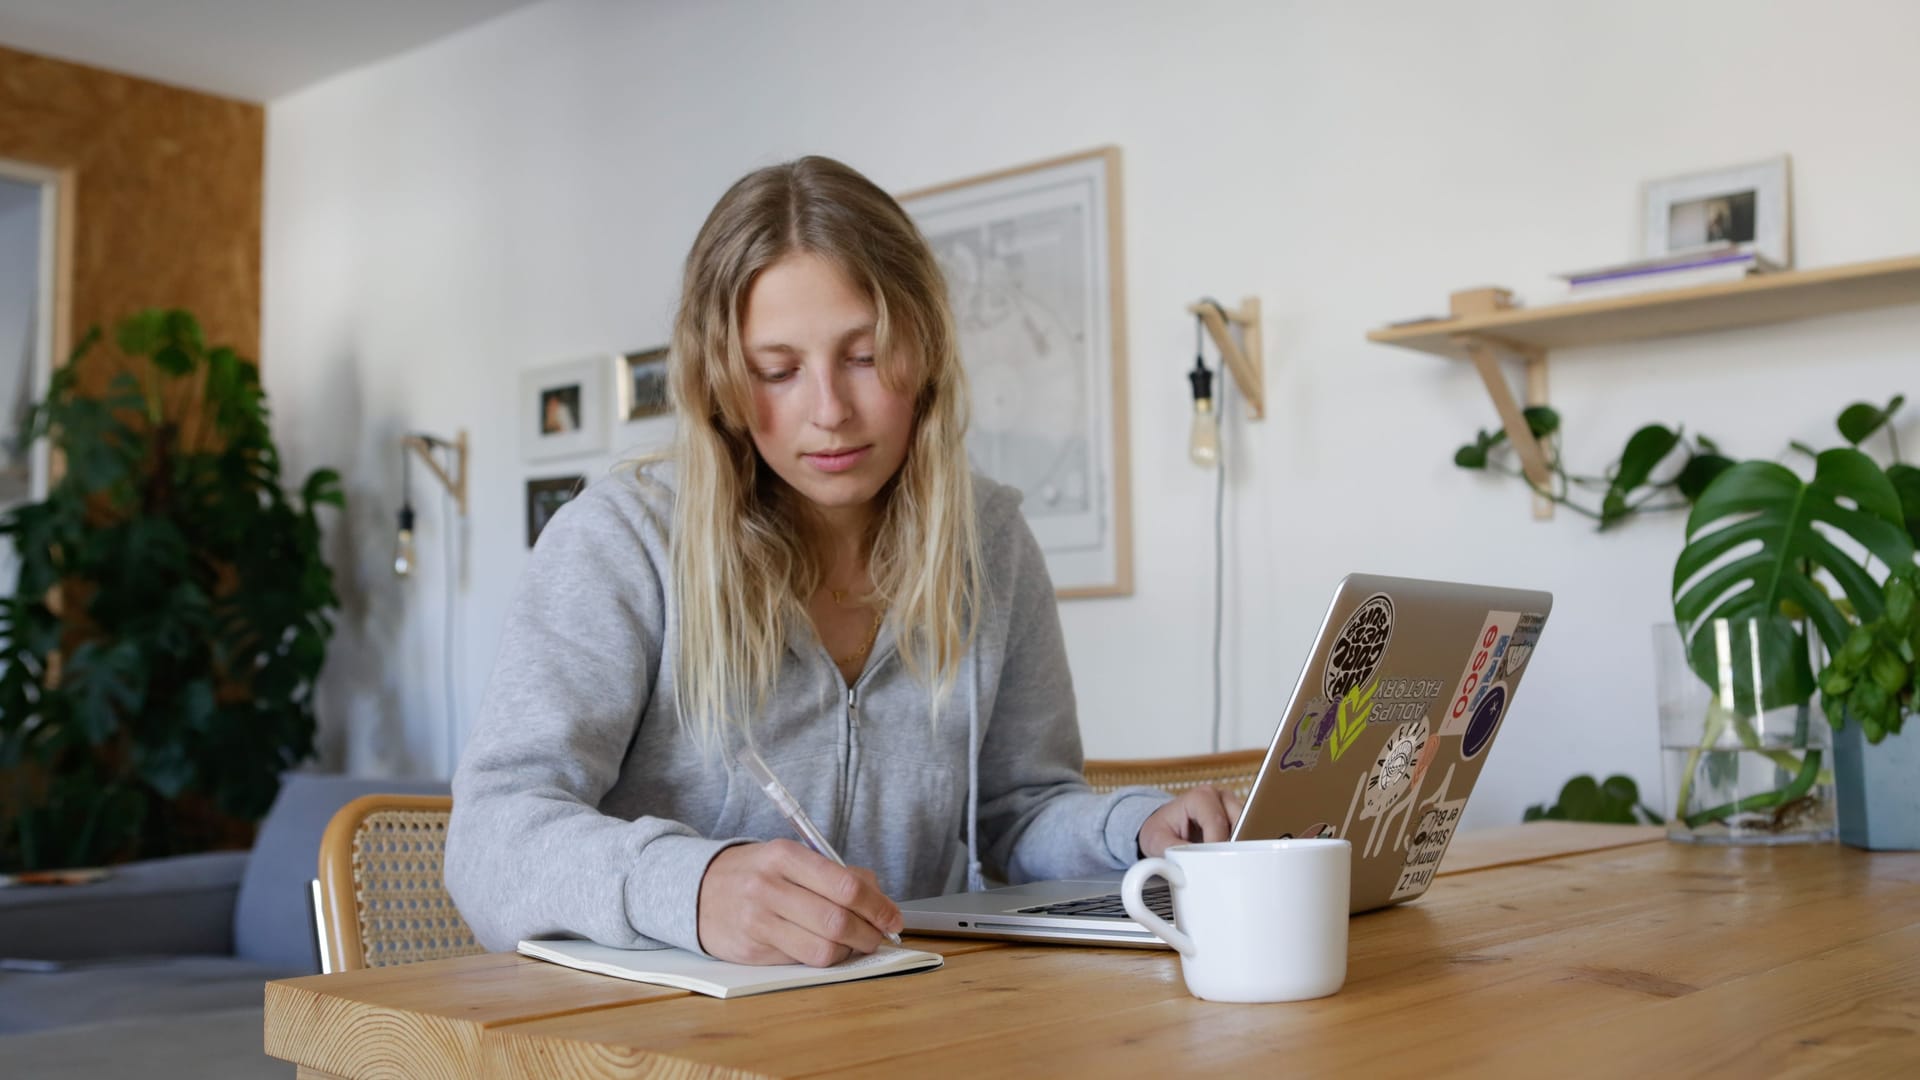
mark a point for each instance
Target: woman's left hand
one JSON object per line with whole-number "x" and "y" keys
{"x": 1201, "y": 815}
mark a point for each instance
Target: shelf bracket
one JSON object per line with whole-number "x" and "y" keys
{"x": 1485, "y": 351}
{"x": 1243, "y": 359}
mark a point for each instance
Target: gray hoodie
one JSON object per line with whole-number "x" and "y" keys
{"x": 582, "y": 808}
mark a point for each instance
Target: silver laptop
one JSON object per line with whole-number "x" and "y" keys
{"x": 1380, "y": 743}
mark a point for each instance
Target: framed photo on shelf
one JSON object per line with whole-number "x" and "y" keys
{"x": 1034, "y": 262}
{"x": 563, "y": 409}
{"x": 545, "y": 496}
{"x": 644, "y": 391}
{"x": 1748, "y": 206}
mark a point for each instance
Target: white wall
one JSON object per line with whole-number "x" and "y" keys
{"x": 525, "y": 192}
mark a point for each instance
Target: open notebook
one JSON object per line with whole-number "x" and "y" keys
{"x": 683, "y": 970}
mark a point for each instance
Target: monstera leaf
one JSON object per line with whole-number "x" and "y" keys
{"x": 1758, "y": 536}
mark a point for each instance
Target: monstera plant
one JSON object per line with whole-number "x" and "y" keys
{"x": 1833, "y": 555}
{"x": 159, "y": 648}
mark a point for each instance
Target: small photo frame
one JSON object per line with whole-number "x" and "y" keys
{"x": 563, "y": 409}
{"x": 1745, "y": 206}
{"x": 644, "y": 390}
{"x": 545, "y": 497}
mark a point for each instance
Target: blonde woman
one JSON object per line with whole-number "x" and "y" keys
{"x": 812, "y": 568}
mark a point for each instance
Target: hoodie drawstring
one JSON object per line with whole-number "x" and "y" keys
{"x": 975, "y": 882}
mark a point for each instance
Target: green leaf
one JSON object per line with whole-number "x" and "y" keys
{"x": 1700, "y": 471}
{"x": 1859, "y": 420}
{"x": 173, "y": 360}
{"x": 1752, "y": 543}
{"x": 1541, "y": 420}
{"x": 1620, "y": 789}
{"x": 143, "y": 333}
{"x": 1765, "y": 662}
{"x": 1644, "y": 451}
{"x": 1906, "y": 481}
{"x": 1580, "y": 798}
{"x": 1471, "y": 457}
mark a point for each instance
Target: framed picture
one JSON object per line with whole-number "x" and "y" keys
{"x": 563, "y": 409}
{"x": 1033, "y": 258}
{"x": 1747, "y": 206}
{"x": 644, "y": 392}
{"x": 545, "y": 496}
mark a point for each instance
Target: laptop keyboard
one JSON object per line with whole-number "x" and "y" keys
{"x": 1158, "y": 898}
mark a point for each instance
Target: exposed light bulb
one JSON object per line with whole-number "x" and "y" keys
{"x": 1204, "y": 445}
{"x": 403, "y": 551}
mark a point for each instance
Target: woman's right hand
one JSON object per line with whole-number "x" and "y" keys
{"x": 780, "y": 903}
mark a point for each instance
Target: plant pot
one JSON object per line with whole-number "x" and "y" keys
{"x": 1741, "y": 764}
{"x": 1877, "y": 788}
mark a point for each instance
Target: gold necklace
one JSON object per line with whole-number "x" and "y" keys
{"x": 873, "y": 632}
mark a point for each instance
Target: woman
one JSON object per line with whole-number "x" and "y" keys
{"x": 812, "y": 568}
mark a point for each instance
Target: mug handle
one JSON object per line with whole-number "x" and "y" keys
{"x": 1130, "y": 887}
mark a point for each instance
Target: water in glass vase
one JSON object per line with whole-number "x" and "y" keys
{"x": 1748, "y": 796}
{"x": 1744, "y": 751}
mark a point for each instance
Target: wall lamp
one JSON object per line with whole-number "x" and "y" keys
{"x": 1242, "y": 358}
{"x": 430, "y": 448}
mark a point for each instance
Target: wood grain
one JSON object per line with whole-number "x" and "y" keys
{"x": 1619, "y": 956}
{"x": 1755, "y": 301}
{"x": 167, "y": 195}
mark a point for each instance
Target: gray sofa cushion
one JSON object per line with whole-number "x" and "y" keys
{"x": 163, "y": 986}
{"x": 224, "y": 1045}
{"x": 182, "y": 904}
{"x": 273, "y": 922}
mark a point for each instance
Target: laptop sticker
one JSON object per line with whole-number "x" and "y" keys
{"x": 1403, "y": 700}
{"x": 1485, "y": 720}
{"x": 1429, "y": 843}
{"x": 1482, "y": 664}
{"x": 1356, "y": 654}
{"x": 1520, "y": 649}
{"x": 1309, "y": 735}
{"x": 1390, "y": 781}
{"x": 1351, "y": 721}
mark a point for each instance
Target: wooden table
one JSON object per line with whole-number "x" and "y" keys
{"x": 1545, "y": 949}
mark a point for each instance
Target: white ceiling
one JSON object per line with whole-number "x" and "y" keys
{"x": 256, "y": 50}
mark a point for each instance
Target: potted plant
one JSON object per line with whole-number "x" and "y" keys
{"x": 1811, "y": 582}
{"x": 159, "y": 648}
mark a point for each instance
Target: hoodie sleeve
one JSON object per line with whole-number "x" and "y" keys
{"x": 1037, "y": 816}
{"x": 529, "y": 854}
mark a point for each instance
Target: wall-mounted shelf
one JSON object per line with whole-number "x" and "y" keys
{"x": 1482, "y": 327}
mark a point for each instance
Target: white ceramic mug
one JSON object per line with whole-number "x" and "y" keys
{"x": 1258, "y": 920}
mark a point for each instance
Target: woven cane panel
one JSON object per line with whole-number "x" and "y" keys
{"x": 1175, "y": 779}
{"x": 405, "y": 913}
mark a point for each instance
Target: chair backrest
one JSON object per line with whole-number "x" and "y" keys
{"x": 382, "y": 893}
{"x": 1233, "y": 770}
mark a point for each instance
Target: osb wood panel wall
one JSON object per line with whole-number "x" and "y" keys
{"x": 166, "y": 196}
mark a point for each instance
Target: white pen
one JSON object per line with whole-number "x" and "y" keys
{"x": 763, "y": 777}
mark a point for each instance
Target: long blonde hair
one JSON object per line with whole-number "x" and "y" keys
{"x": 741, "y": 569}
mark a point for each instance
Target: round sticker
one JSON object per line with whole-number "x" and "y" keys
{"x": 1486, "y": 717}
{"x": 1362, "y": 644}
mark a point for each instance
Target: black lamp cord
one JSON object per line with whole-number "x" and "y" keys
{"x": 1202, "y": 385}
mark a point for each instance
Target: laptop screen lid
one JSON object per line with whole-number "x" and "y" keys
{"x": 1380, "y": 742}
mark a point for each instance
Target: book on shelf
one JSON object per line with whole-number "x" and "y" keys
{"x": 684, "y": 970}
{"x": 1631, "y": 278}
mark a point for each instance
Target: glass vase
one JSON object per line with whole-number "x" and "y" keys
{"x": 1745, "y": 752}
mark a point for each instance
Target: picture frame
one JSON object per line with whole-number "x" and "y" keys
{"x": 644, "y": 389}
{"x": 1035, "y": 268}
{"x": 1748, "y": 206}
{"x": 563, "y": 409}
{"x": 545, "y": 497}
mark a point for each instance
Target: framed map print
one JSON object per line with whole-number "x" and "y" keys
{"x": 1033, "y": 261}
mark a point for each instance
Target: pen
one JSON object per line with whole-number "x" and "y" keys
{"x": 749, "y": 759}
